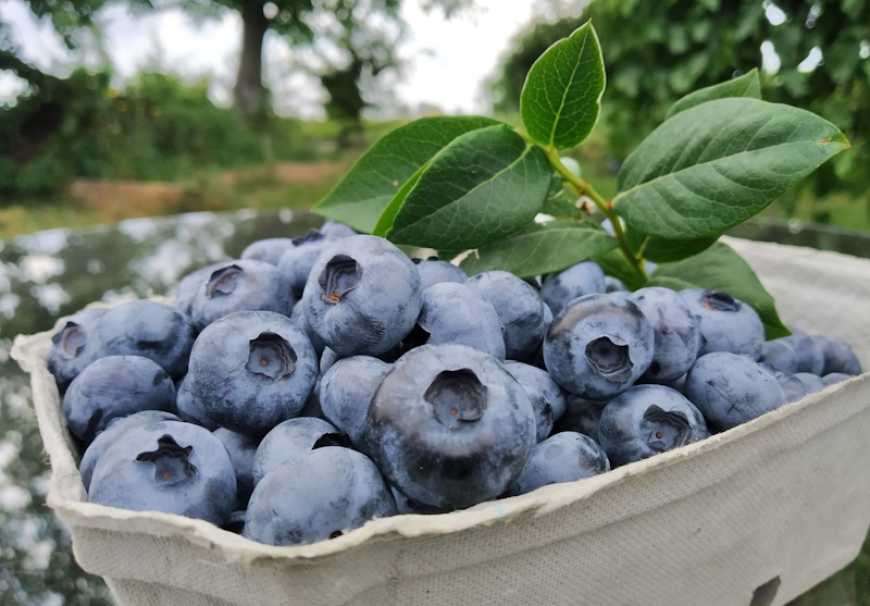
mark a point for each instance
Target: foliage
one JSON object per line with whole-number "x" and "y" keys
{"x": 659, "y": 51}
{"x": 157, "y": 128}
{"x": 721, "y": 157}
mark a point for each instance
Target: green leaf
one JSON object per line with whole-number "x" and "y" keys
{"x": 720, "y": 268}
{"x": 560, "y": 202}
{"x": 385, "y": 222}
{"x": 713, "y": 166}
{"x": 747, "y": 85}
{"x": 541, "y": 249}
{"x": 485, "y": 185}
{"x": 361, "y": 196}
{"x": 663, "y": 251}
{"x": 561, "y": 97}
{"x": 615, "y": 264}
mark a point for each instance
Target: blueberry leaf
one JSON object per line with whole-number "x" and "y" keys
{"x": 715, "y": 165}
{"x": 483, "y": 186}
{"x": 541, "y": 249}
{"x": 615, "y": 264}
{"x": 720, "y": 268}
{"x": 560, "y": 202}
{"x": 747, "y": 85}
{"x": 361, "y": 196}
{"x": 663, "y": 251}
{"x": 561, "y": 98}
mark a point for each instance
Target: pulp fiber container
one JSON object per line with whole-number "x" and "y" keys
{"x": 753, "y": 516}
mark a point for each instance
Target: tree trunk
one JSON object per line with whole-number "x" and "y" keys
{"x": 250, "y": 94}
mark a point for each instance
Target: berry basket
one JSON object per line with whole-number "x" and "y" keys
{"x": 753, "y": 516}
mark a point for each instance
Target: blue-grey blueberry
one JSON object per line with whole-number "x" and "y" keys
{"x": 581, "y": 416}
{"x": 731, "y": 389}
{"x": 647, "y": 420}
{"x": 564, "y": 457}
{"x": 677, "y": 336}
{"x": 168, "y": 466}
{"x": 584, "y": 278}
{"x": 455, "y": 313}
{"x": 612, "y": 284}
{"x": 346, "y": 392}
{"x": 251, "y": 370}
{"x": 190, "y": 409}
{"x": 335, "y": 230}
{"x": 330, "y": 491}
{"x": 780, "y": 355}
{"x": 296, "y": 263}
{"x": 812, "y": 383}
{"x": 363, "y": 296}
{"x": 835, "y": 377}
{"x": 839, "y": 357}
{"x": 108, "y": 436}
{"x": 241, "y": 449}
{"x": 268, "y": 251}
{"x": 727, "y": 324}
{"x": 244, "y": 285}
{"x": 599, "y": 346}
{"x": 809, "y": 351}
{"x": 434, "y": 271}
{"x": 449, "y": 427}
{"x": 793, "y": 388}
{"x": 522, "y": 312}
{"x": 113, "y": 387}
{"x": 74, "y": 346}
{"x": 404, "y": 504}
{"x": 547, "y": 398}
{"x": 288, "y": 441}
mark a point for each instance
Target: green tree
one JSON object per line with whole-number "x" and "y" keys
{"x": 659, "y": 51}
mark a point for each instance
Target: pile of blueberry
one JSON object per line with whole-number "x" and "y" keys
{"x": 324, "y": 381}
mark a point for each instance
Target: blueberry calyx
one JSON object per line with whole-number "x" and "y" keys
{"x": 223, "y": 281}
{"x": 665, "y": 430}
{"x": 720, "y": 301}
{"x": 457, "y": 397}
{"x": 70, "y": 340}
{"x": 339, "y": 277}
{"x": 333, "y": 439}
{"x": 271, "y": 356}
{"x": 313, "y": 235}
{"x": 607, "y": 357}
{"x": 171, "y": 461}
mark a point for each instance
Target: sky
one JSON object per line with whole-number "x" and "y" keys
{"x": 447, "y": 60}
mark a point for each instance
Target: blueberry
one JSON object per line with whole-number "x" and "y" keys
{"x": 363, "y": 296}
{"x": 793, "y": 388}
{"x": 112, "y": 387}
{"x": 434, "y": 271}
{"x": 727, "y": 324}
{"x": 241, "y": 449}
{"x": 449, "y": 427}
{"x": 239, "y": 286}
{"x": 236, "y": 522}
{"x": 812, "y": 383}
{"x": 647, "y": 420}
{"x": 455, "y": 313}
{"x": 268, "y": 251}
{"x": 839, "y": 357}
{"x": 677, "y": 336}
{"x": 809, "y": 351}
{"x": 565, "y": 457}
{"x": 190, "y": 409}
{"x": 581, "y": 416}
{"x": 74, "y": 346}
{"x": 835, "y": 377}
{"x": 148, "y": 329}
{"x": 312, "y": 406}
{"x": 780, "y": 355}
{"x": 408, "y": 505}
{"x": 547, "y": 398}
{"x": 346, "y": 392}
{"x": 297, "y": 316}
{"x": 612, "y": 284}
{"x": 522, "y": 312}
{"x": 334, "y": 230}
{"x": 731, "y": 389}
{"x": 327, "y": 359}
{"x": 599, "y": 346}
{"x": 296, "y": 263}
{"x": 186, "y": 291}
{"x": 585, "y": 278}
{"x": 167, "y": 466}
{"x": 329, "y": 492}
{"x": 251, "y": 370}
{"x": 108, "y": 436}
{"x": 288, "y": 441}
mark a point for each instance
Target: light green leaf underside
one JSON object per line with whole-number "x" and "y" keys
{"x": 747, "y": 85}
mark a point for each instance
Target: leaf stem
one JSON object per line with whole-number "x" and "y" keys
{"x": 584, "y": 188}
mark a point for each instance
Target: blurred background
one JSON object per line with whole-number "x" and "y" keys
{"x": 142, "y": 138}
